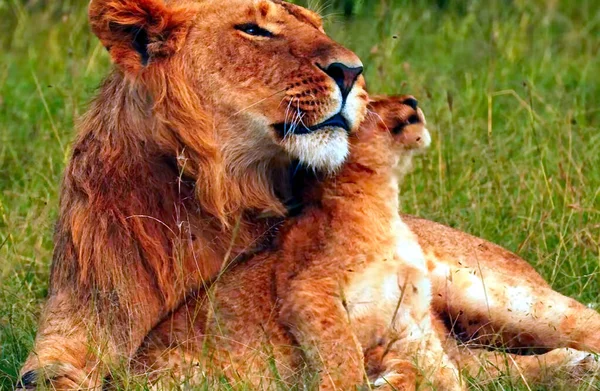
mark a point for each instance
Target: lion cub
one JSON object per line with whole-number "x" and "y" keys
{"x": 348, "y": 278}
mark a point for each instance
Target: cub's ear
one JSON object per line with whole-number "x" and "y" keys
{"x": 139, "y": 32}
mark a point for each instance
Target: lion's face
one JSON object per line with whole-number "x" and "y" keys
{"x": 282, "y": 80}
{"x": 273, "y": 83}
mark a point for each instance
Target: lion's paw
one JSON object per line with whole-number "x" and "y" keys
{"x": 56, "y": 376}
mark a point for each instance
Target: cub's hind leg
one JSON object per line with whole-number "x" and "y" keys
{"x": 395, "y": 373}
{"x": 485, "y": 366}
{"x": 492, "y": 296}
{"x": 493, "y": 308}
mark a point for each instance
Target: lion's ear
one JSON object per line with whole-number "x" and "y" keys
{"x": 138, "y": 32}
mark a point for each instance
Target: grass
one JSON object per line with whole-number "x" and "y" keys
{"x": 511, "y": 89}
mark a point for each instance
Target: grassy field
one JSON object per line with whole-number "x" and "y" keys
{"x": 511, "y": 89}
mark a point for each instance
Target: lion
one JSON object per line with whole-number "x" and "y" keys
{"x": 346, "y": 277}
{"x": 181, "y": 163}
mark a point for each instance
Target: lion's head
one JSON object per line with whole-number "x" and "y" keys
{"x": 236, "y": 85}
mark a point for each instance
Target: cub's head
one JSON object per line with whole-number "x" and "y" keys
{"x": 394, "y": 131}
{"x": 269, "y": 82}
{"x": 402, "y": 121}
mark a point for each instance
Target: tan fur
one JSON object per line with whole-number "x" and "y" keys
{"x": 176, "y": 164}
{"x": 455, "y": 263}
{"x": 494, "y": 298}
{"x": 339, "y": 286}
{"x": 490, "y": 298}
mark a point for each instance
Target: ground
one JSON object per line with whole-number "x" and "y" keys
{"x": 511, "y": 89}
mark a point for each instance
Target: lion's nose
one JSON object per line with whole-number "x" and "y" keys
{"x": 344, "y": 76}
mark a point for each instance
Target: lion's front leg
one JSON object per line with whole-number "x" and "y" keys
{"x": 61, "y": 356}
{"x": 315, "y": 315}
{"x": 78, "y": 341}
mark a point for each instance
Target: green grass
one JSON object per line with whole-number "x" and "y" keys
{"x": 511, "y": 90}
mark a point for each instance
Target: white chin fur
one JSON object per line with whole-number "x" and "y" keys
{"x": 324, "y": 150}
{"x": 355, "y": 108}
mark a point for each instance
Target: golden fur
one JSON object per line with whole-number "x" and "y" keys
{"x": 340, "y": 284}
{"x": 178, "y": 160}
{"x": 331, "y": 259}
{"x": 486, "y": 298}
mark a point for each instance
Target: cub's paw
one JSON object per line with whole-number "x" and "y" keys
{"x": 401, "y": 375}
{"x": 577, "y": 363}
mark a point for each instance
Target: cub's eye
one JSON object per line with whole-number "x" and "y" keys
{"x": 398, "y": 128}
{"x": 414, "y": 119}
{"x": 254, "y": 30}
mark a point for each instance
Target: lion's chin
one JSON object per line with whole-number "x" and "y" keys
{"x": 324, "y": 150}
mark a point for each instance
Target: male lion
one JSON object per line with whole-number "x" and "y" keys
{"x": 186, "y": 149}
{"x": 347, "y": 277}
{"x": 181, "y": 155}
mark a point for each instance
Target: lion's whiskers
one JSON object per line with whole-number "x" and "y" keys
{"x": 285, "y": 119}
{"x": 258, "y": 102}
{"x": 297, "y": 119}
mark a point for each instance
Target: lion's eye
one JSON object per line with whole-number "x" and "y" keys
{"x": 254, "y": 30}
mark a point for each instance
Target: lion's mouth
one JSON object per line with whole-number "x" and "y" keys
{"x": 337, "y": 121}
